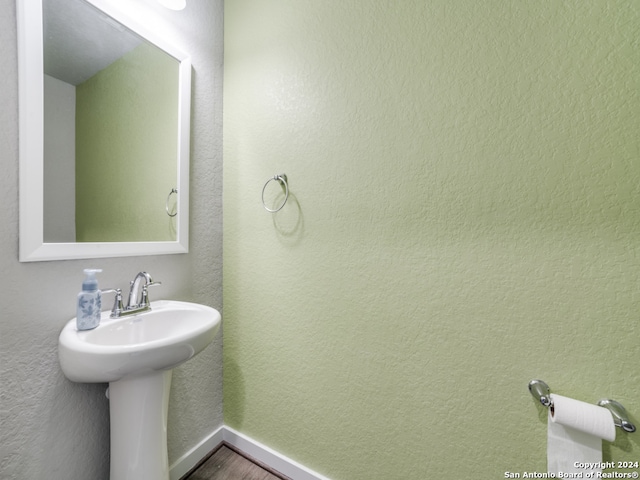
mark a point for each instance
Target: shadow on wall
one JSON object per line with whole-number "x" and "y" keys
{"x": 234, "y": 388}
{"x": 289, "y": 221}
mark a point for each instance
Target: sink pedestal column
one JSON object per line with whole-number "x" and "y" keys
{"x": 138, "y": 409}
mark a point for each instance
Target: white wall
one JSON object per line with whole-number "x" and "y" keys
{"x": 50, "y": 427}
{"x": 59, "y": 161}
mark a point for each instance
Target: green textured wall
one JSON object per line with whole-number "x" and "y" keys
{"x": 465, "y": 217}
{"x": 126, "y": 149}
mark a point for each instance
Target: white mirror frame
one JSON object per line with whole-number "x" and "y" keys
{"x": 31, "y": 98}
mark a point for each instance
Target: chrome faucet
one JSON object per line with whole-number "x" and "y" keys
{"x": 138, "y": 300}
{"x": 135, "y": 288}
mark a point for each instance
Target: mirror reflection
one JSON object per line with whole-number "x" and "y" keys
{"x": 111, "y": 133}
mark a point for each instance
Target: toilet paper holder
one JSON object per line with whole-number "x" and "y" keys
{"x": 542, "y": 393}
{"x": 620, "y": 417}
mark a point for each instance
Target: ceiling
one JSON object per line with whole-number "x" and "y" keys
{"x": 79, "y": 40}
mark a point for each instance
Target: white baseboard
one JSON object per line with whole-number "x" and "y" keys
{"x": 186, "y": 462}
{"x": 252, "y": 448}
{"x": 269, "y": 457}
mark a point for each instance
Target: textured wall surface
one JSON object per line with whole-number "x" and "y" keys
{"x": 464, "y": 217}
{"x": 50, "y": 427}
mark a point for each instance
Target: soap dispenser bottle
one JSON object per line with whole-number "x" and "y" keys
{"x": 89, "y": 301}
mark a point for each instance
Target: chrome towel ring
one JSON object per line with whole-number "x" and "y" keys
{"x": 282, "y": 179}
{"x": 166, "y": 204}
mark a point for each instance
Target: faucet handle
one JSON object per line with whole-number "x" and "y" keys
{"x": 117, "y": 304}
{"x": 144, "y": 301}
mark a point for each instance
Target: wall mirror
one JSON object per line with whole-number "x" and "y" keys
{"x": 104, "y": 134}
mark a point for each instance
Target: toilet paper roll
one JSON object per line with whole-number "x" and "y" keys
{"x": 575, "y": 433}
{"x": 585, "y": 417}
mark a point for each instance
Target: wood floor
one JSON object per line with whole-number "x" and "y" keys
{"x": 227, "y": 464}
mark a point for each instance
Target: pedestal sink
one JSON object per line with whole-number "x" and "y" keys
{"x": 136, "y": 355}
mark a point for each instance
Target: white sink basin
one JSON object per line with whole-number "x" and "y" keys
{"x": 135, "y": 354}
{"x": 159, "y": 339}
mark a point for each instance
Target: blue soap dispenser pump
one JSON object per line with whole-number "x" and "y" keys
{"x": 89, "y": 301}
